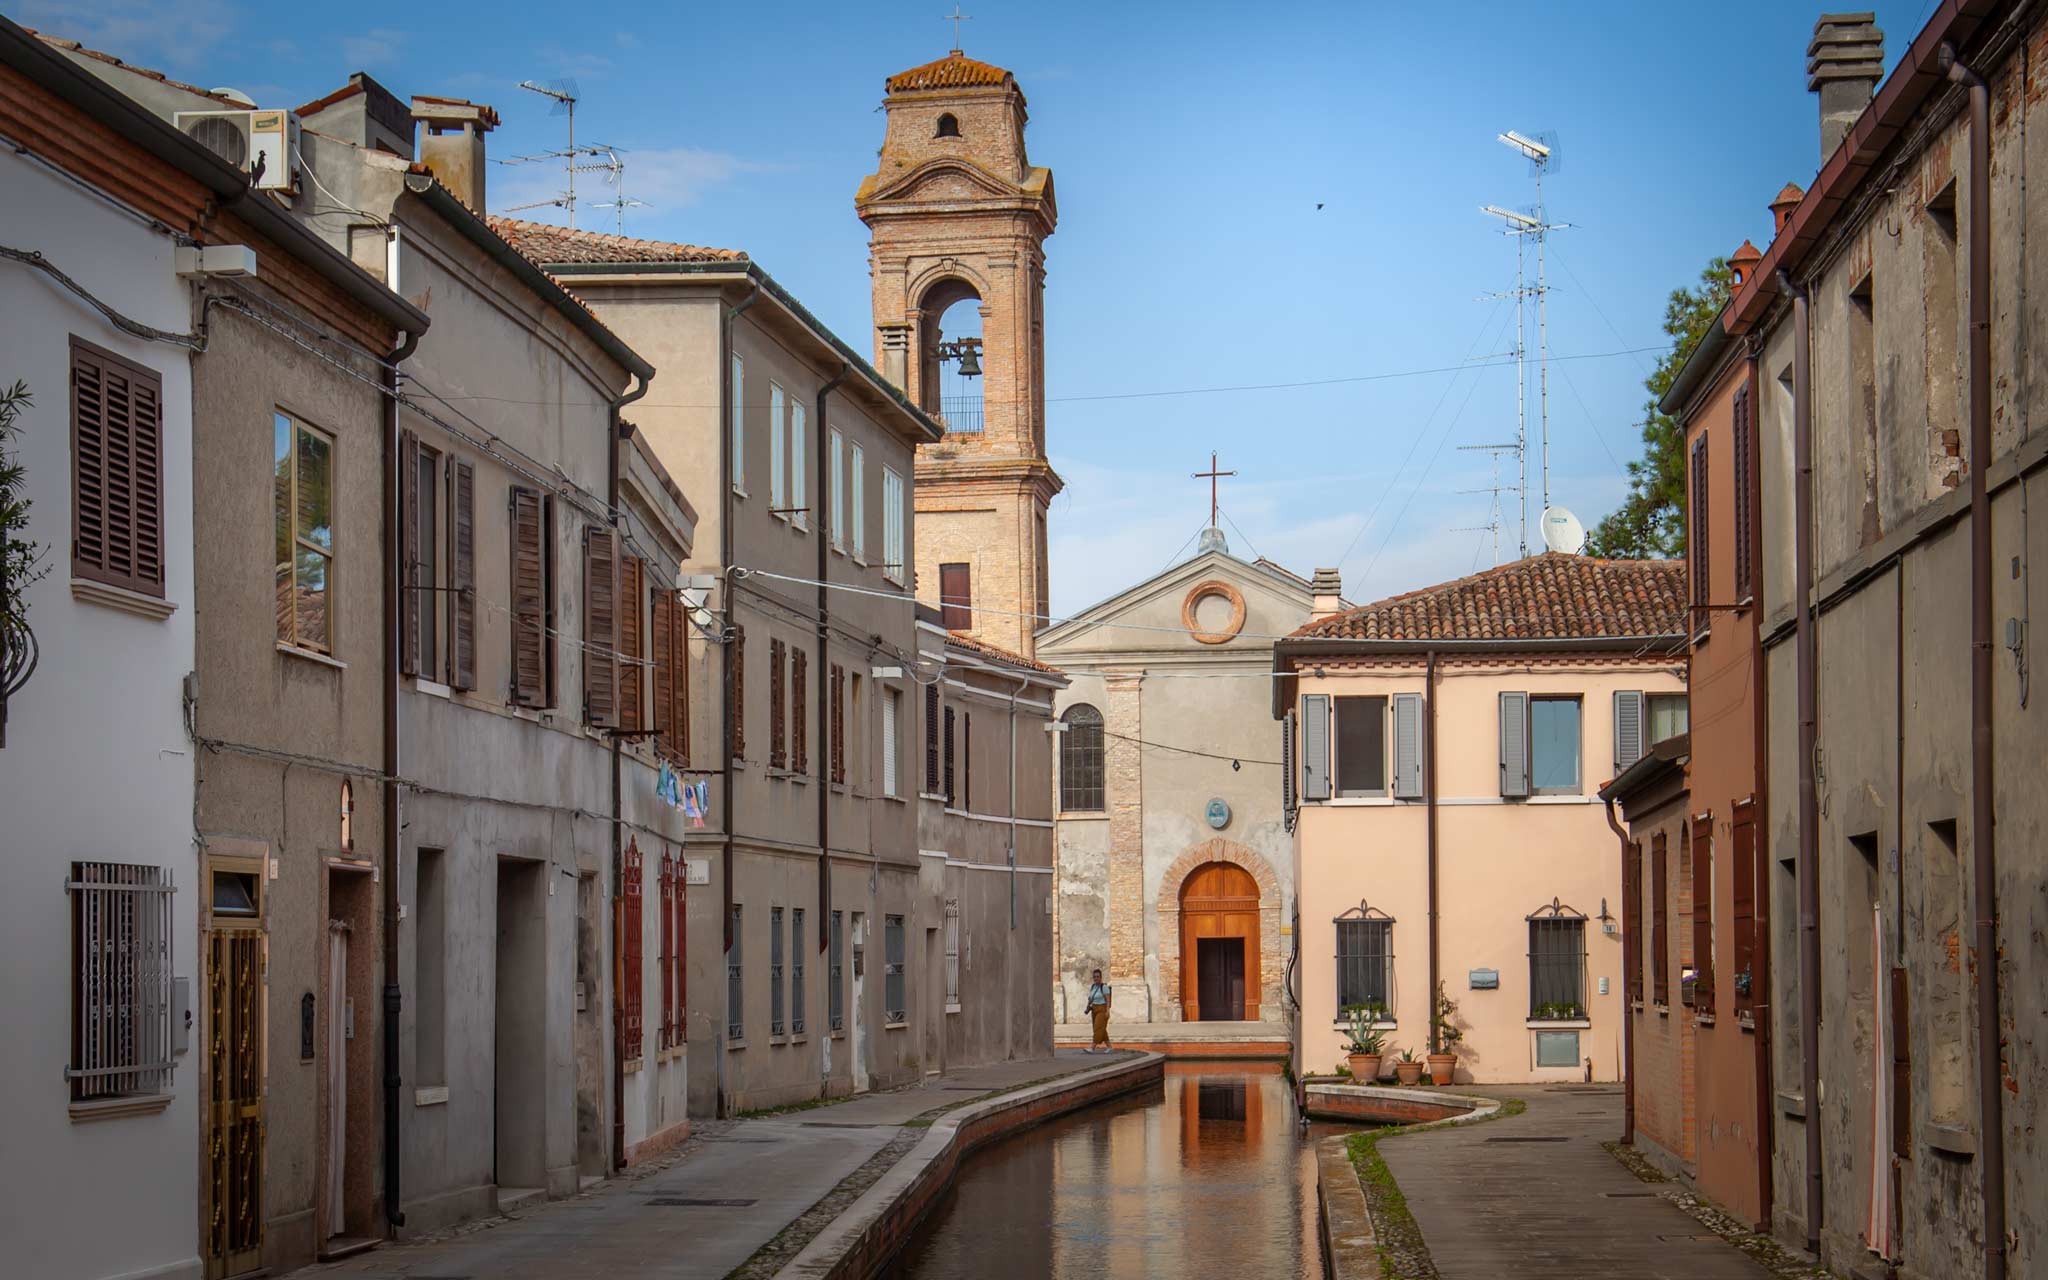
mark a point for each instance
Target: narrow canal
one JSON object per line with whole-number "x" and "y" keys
{"x": 1207, "y": 1177}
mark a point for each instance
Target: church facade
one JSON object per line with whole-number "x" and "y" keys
{"x": 1173, "y": 864}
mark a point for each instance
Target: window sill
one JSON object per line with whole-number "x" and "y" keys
{"x": 800, "y": 778}
{"x": 632, "y": 1066}
{"x": 740, "y": 491}
{"x": 838, "y": 788}
{"x": 736, "y": 1044}
{"x": 155, "y": 608}
{"x": 433, "y": 688}
{"x": 1746, "y": 1020}
{"x": 839, "y": 1035}
{"x": 895, "y": 1026}
{"x": 838, "y": 549}
{"x": 1703, "y": 1020}
{"x": 860, "y": 559}
{"x": 311, "y": 655}
{"x": 1559, "y": 797}
{"x": 118, "y": 1108}
{"x": 896, "y": 799}
{"x": 952, "y": 1008}
{"x": 1792, "y": 1104}
{"x": 1560, "y": 1024}
{"x": 1949, "y": 1139}
{"x": 430, "y": 1095}
{"x": 1382, "y": 1024}
{"x": 1663, "y": 1010}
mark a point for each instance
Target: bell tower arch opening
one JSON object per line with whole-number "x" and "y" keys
{"x": 958, "y": 217}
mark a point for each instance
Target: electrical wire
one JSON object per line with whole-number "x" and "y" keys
{"x": 133, "y": 328}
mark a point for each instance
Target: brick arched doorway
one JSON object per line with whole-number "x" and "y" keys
{"x": 1219, "y": 944}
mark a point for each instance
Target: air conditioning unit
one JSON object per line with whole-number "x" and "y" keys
{"x": 264, "y": 143}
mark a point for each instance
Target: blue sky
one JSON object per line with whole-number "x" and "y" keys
{"x": 1191, "y": 145}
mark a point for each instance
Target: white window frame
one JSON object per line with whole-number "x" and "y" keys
{"x": 798, "y": 514}
{"x": 859, "y": 504}
{"x": 777, "y": 490}
{"x": 895, "y": 534}
{"x": 1338, "y": 788}
{"x": 892, "y": 741}
{"x": 739, "y": 424}
{"x": 838, "y": 490}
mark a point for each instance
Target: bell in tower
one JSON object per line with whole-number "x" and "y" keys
{"x": 957, "y": 218}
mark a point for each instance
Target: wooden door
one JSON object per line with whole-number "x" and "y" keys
{"x": 1220, "y": 903}
{"x": 1220, "y": 969}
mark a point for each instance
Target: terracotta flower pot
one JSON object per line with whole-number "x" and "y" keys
{"x": 1441, "y": 1067}
{"x": 1408, "y": 1072}
{"x": 1364, "y": 1067}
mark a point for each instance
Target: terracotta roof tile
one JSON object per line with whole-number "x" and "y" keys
{"x": 73, "y": 46}
{"x": 961, "y": 640}
{"x": 1545, "y": 597}
{"x": 954, "y": 71}
{"x": 544, "y": 243}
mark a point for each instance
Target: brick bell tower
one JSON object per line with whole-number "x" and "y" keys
{"x": 956, "y": 211}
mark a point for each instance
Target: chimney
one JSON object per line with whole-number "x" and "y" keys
{"x": 1327, "y": 599}
{"x": 1844, "y": 62}
{"x": 451, "y": 144}
{"x": 364, "y": 113}
{"x": 1783, "y": 204}
{"x": 1743, "y": 263}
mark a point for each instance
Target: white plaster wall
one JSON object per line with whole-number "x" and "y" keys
{"x": 97, "y": 765}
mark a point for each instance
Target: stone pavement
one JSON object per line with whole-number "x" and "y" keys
{"x": 1536, "y": 1196}
{"x": 732, "y": 1188}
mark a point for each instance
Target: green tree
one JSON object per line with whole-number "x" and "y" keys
{"x": 18, "y": 556}
{"x": 1650, "y": 522}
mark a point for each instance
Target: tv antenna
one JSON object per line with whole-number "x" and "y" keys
{"x": 565, "y": 95}
{"x": 1541, "y": 152}
{"x": 1492, "y": 524}
{"x": 615, "y": 175}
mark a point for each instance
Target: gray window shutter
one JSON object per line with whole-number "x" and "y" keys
{"x": 1287, "y": 780}
{"x": 1408, "y": 746}
{"x": 1315, "y": 747}
{"x": 1514, "y": 744}
{"x": 1628, "y": 728}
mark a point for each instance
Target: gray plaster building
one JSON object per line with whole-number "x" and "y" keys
{"x": 1171, "y": 850}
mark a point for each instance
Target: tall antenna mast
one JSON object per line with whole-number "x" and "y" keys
{"x": 1541, "y": 155}
{"x": 565, "y": 97}
{"x": 1492, "y": 524}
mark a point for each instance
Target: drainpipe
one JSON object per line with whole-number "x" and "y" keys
{"x": 1809, "y": 800}
{"x": 726, "y": 462}
{"x": 1990, "y": 1082}
{"x": 1429, "y": 796}
{"x": 823, "y": 514}
{"x": 616, "y": 435}
{"x": 1023, "y": 683}
{"x": 393, "y": 615}
{"x": 1628, "y": 1010}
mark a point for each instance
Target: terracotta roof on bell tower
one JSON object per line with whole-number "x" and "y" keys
{"x": 954, "y": 71}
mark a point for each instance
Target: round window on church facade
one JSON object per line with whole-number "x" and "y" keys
{"x": 1213, "y": 612}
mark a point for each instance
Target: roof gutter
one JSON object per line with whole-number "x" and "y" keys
{"x": 1705, "y": 358}
{"x": 752, "y": 273}
{"x": 478, "y": 232}
{"x": 52, "y": 71}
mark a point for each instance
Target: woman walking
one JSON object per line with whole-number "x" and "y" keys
{"x": 1098, "y": 1011}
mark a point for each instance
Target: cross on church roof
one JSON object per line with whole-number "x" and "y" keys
{"x": 956, "y": 18}
{"x": 1211, "y": 475}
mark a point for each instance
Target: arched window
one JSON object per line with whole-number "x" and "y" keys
{"x": 348, "y": 816}
{"x": 1081, "y": 760}
{"x": 948, "y": 126}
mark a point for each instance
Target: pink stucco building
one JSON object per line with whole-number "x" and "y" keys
{"x": 1448, "y": 747}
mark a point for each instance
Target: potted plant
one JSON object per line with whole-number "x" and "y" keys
{"x": 1364, "y": 1043}
{"x": 1443, "y": 1063}
{"x": 1408, "y": 1067}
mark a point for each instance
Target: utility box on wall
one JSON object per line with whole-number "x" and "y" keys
{"x": 1483, "y": 979}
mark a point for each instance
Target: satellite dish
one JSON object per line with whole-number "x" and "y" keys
{"x": 1562, "y": 531}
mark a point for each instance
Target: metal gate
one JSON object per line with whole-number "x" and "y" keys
{"x": 234, "y": 1101}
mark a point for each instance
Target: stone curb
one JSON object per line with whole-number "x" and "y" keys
{"x": 1383, "y": 1105}
{"x": 859, "y": 1242}
{"x": 1350, "y": 1249}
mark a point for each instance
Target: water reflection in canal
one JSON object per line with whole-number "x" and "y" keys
{"x": 1207, "y": 1177}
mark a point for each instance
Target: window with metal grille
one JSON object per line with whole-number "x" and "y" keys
{"x": 1365, "y": 959}
{"x": 303, "y": 475}
{"x": 775, "y": 993}
{"x": 120, "y": 980}
{"x": 956, "y": 597}
{"x": 952, "y": 954}
{"x": 797, "y": 946}
{"x": 674, "y": 922}
{"x": 1557, "y": 963}
{"x": 735, "y": 987}
{"x": 896, "y": 1003}
{"x": 1081, "y": 760}
{"x": 835, "y": 1003}
{"x": 931, "y": 738}
{"x": 631, "y": 924}
{"x": 117, "y": 522}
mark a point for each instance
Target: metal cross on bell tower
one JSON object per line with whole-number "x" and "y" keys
{"x": 1212, "y": 475}
{"x": 956, "y": 18}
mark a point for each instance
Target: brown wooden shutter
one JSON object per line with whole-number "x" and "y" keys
{"x": 1744, "y": 442}
{"x": 931, "y": 738}
{"x": 1703, "y": 914}
{"x": 409, "y": 553}
{"x": 1660, "y": 893}
{"x": 738, "y": 709}
{"x": 1632, "y": 918}
{"x": 778, "y": 752}
{"x": 631, "y": 921}
{"x": 952, "y": 796}
{"x": 956, "y": 597}
{"x": 117, "y": 521}
{"x": 462, "y": 575}
{"x": 1702, "y": 579}
{"x": 838, "y": 723}
{"x": 529, "y": 600}
{"x": 800, "y": 711}
{"x": 665, "y": 674}
{"x": 600, "y": 626}
{"x": 1743, "y": 871}
{"x": 679, "y": 710}
{"x": 632, "y": 642}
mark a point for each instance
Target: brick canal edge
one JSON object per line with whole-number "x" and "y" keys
{"x": 858, "y": 1243}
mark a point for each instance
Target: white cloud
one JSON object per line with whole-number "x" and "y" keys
{"x": 171, "y": 37}
{"x": 373, "y": 48}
